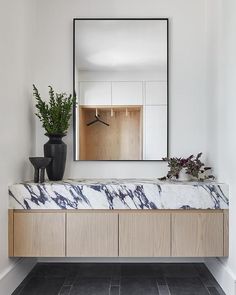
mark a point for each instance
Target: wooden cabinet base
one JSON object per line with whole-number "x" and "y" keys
{"x": 198, "y": 235}
{"x": 39, "y": 234}
{"x": 92, "y": 235}
{"x": 144, "y": 235}
{"x": 118, "y": 233}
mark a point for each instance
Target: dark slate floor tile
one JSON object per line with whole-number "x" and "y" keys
{"x": 179, "y": 270}
{"x": 213, "y": 291}
{"x": 204, "y": 273}
{"x": 65, "y": 290}
{"x": 115, "y": 290}
{"x": 53, "y": 269}
{"x": 22, "y": 285}
{"x": 96, "y": 270}
{"x": 186, "y": 286}
{"x": 43, "y": 286}
{"x": 138, "y": 286}
{"x": 104, "y": 279}
{"x": 157, "y": 269}
{"x": 138, "y": 270}
{"x": 207, "y": 278}
{"x": 116, "y": 272}
{"x": 91, "y": 286}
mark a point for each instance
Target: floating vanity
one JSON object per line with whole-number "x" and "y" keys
{"x": 118, "y": 218}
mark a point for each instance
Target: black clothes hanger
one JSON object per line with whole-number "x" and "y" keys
{"x": 97, "y": 119}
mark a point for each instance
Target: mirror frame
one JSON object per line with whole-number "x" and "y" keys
{"x": 75, "y": 95}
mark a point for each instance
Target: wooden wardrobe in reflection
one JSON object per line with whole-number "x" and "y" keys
{"x": 121, "y": 140}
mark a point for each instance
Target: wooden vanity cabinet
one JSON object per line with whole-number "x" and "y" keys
{"x": 197, "y": 234}
{"x": 92, "y": 235}
{"x": 144, "y": 235}
{"x": 118, "y": 233}
{"x": 39, "y": 234}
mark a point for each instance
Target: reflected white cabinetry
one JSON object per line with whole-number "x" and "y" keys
{"x": 152, "y": 95}
{"x": 127, "y": 93}
{"x": 94, "y": 93}
{"x": 110, "y": 93}
{"x": 156, "y": 92}
{"x": 155, "y": 132}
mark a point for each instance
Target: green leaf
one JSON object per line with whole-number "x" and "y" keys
{"x": 54, "y": 115}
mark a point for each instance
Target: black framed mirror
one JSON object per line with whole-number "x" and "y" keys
{"x": 120, "y": 77}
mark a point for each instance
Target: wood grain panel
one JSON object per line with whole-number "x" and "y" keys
{"x": 11, "y": 232}
{"x": 145, "y": 235}
{"x": 81, "y": 136}
{"x": 122, "y": 140}
{"x": 226, "y": 232}
{"x": 39, "y": 234}
{"x": 92, "y": 235}
{"x": 197, "y": 235}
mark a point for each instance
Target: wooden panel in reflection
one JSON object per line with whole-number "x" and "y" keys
{"x": 122, "y": 140}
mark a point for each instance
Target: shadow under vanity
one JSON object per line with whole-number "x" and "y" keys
{"x": 118, "y": 218}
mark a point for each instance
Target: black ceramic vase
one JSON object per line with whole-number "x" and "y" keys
{"x": 55, "y": 149}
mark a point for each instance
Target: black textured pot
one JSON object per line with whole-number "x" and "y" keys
{"x": 56, "y": 149}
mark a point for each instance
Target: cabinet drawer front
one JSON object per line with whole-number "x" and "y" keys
{"x": 39, "y": 234}
{"x": 197, "y": 234}
{"x": 144, "y": 234}
{"x": 155, "y": 143}
{"x": 92, "y": 234}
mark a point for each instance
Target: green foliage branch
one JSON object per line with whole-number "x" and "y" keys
{"x": 55, "y": 115}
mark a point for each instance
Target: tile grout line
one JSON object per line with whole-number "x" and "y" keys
{"x": 70, "y": 289}
{"x": 166, "y": 285}
{"x": 168, "y": 289}
{"x": 63, "y": 287}
{"x": 110, "y": 286}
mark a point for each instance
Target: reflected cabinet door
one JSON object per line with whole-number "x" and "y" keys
{"x": 127, "y": 93}
{"x": 144, "y": 235}
{"x": 155, "y": 132}
{"x": 156, "y": 92}
{"x": 92, "y": 234}
{"x": 95, "y": 93}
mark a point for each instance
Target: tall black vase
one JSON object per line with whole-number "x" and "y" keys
{"x": 55, "y": 149}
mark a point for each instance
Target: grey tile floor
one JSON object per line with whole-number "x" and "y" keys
{"x": 119, "y": 279}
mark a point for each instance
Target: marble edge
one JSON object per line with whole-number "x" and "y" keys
{"x": 219, "y": 193}
{"x": 118, "y": 181}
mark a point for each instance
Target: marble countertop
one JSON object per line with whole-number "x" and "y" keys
{"x": 119, "y": 194}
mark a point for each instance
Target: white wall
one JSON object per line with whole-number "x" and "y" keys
{"x": 16, "y": 124}
{"x": 188, "y": 102}
{"x": 226, "y": 132}
{"x": 226, "y": 115}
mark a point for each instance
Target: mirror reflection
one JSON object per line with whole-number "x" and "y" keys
{"x": 120, "y": 79}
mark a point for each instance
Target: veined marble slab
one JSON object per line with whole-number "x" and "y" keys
{"x": 119, "y": 194}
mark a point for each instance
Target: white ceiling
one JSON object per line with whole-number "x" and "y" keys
{"x": 121, "y": 45}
